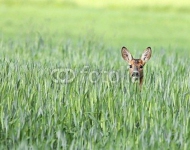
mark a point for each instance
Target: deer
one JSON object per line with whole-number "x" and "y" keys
{"x": 136, "y": 65}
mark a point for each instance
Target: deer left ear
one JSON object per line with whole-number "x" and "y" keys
{"x": 146, "y": 55}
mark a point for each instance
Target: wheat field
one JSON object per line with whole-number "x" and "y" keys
{"x": 64, "y": 84}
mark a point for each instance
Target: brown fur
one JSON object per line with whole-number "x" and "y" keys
{"x": 136, "y": 65}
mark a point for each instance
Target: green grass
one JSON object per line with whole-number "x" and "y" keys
{"x": 100, "y": 108}
{"x": 135, "y": 28}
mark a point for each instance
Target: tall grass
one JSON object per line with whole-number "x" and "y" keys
{"x": 93, "y": 111}
{"x": 64, "y": 84}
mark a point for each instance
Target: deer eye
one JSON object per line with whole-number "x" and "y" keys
{"x": 141, "y": 67}
{"x": 130, "y": 66}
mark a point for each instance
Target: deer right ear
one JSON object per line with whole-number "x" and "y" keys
{"x": 126, "y": 55}
{"x": 146, "y": 55}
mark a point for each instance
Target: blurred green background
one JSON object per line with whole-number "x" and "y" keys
{"x": 135, "y": 24}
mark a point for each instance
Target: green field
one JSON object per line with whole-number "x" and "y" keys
{"x": 44, "y": 42}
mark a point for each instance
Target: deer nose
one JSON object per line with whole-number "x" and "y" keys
{"x": 135, "y": 74}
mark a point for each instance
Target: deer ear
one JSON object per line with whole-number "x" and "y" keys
{"x": 126, "y": 55}
{"x": 146, "y": 55}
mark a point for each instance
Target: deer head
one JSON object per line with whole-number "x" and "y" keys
{"x": 136, "y": 65}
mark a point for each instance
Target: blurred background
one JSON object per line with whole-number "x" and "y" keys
{"x": 134, "y": 24}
